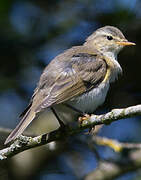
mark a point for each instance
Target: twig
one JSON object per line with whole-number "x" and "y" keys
{"x": 114, "y": 144}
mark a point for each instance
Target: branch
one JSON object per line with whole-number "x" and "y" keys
{"x": 109, "y": 170}
{"x": 24, "y": 143}
{"x": 114, "y": 144}
{"x": 112, "y": 116}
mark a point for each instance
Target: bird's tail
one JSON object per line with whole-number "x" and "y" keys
{"x": 26, "y": 120}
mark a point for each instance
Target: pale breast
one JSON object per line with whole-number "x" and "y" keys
{"x": 89, "y": 101}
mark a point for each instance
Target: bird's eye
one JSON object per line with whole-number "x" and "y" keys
{"x": 109, "y": 38}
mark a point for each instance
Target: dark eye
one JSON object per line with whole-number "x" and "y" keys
{"x": 109, "y": 38}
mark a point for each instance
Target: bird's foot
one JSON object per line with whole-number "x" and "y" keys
{"x": 85, "y": 117}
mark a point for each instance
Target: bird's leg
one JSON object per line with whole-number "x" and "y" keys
{"x": 62, "y": 125}
{"x": 80, "y": 119}
{"x": 84, "y": 118}
{"x": 84, "y": 115}
{"x": 75, "y": 109}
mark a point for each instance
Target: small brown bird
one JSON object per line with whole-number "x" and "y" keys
{"x": 76, "y": 80}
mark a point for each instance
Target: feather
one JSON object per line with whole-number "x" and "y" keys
{"x": 28, "y": 117}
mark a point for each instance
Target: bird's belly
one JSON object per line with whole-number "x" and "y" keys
{"x": 86, "y": 103}
{"x": 89, "y": 101}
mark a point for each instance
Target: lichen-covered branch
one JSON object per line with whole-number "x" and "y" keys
{"x": 24, "y": 143}
{"x": 112, "y": 116}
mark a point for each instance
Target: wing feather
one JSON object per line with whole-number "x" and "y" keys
{"x": 66, "y": 86}
{"x": 81, "y": 75}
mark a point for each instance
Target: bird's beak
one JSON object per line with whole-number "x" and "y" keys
{"x": 125, "y": 43}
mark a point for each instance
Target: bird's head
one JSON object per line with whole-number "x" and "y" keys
{"x": 108, "y": 39}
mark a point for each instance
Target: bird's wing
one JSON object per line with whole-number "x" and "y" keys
{"x": 83, "y": 72}
{"x": 67, "y": 85}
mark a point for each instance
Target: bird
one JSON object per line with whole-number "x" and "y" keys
{"x": 75, "y": 81}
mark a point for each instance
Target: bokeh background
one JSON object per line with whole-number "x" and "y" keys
{"x": 33, "y": 32}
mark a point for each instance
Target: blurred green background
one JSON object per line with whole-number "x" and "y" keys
{"x": 33, "y": 32}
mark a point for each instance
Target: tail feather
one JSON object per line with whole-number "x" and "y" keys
{"x": 26, "y": 120}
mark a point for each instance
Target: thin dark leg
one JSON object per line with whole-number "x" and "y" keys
{"x": 56, "y": 115}
{"x": 74, "y": 109}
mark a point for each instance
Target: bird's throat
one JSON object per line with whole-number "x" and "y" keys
{"x": 113, "y": 67}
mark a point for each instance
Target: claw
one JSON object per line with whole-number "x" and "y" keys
{"x": 83, "y": 118}
{"x": 92, "y": 130}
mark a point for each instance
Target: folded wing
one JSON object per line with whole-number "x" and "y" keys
{"x": 79, "y": 74}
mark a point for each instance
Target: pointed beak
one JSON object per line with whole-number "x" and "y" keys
{"x": 125, "y": 43}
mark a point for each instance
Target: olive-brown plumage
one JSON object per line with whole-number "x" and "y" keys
{"x": 79, "y": 77}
